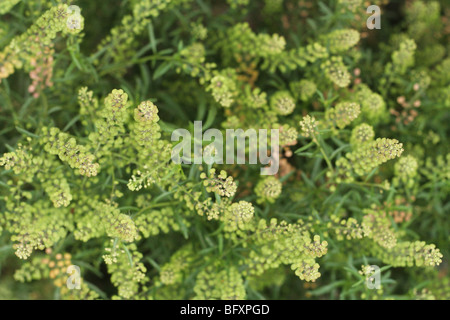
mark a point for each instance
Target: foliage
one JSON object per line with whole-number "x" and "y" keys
{"x": 88, "y": 103}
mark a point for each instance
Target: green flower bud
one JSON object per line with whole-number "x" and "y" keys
{"x": 303, "y": 89}
{"x": 403, "y": 58}
{"x": 223, "y": 89}
{"x": 336, "y": 71}
{"x": 288, "y": 136}
{"x": 282, "y": 103}
{"x": 342, "y": 40}
{"x": 238, "y": 215}
{"x": 214, "y": 282}
{"x": 268, "y": 189}
{"x": 406, "y": 167}
{"x": 309, "y": 127}
{"x": 65, "y": 146}
{"x": 373, "y": 154}
{"x": 377, "y": 226}
{"x": 221, "y": 184}
{"x": 361, "y": 134}
{"x": 343, "y": 114}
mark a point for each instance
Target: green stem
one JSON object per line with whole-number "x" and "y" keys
{"x": 327, "y": 160}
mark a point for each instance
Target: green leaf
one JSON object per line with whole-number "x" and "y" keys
{"x": 162, "y": 69}
{"x": 306, "y": 147}
{"x": 27, "y": 133}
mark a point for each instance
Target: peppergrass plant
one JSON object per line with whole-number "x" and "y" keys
{"x": 93, "y": 205}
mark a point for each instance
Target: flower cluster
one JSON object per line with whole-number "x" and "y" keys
{"x": 55, "y": 266}
{"x": 58, "y": 189}
{"x": 303, "y": 89}
{"x": 373, "y": 107}
{"x": 221, "y": 184}
{"x": 120, "y": 43}
{"x": 67, "y": 149}
{"x": 373, "y": 154}
{"x": 119, "y": 225}
{"x": 36, "y": 227}
{"x": 342, "y": 40}
{"x": 146, "y": 130}
{"x": 20, "y": 161}
{"x": 241, "y": 40}
{"x": 409, "y": 254}
{"x": 403, "y": 58}
{"x": 377, "y": 226}
{"x": 288, "y": 136}
{"x": 219, "y": 283}
{"x": 193, "y": 59}
{"x": 238, "y": 215}
{"x": 309, "y": 127}
{"x": 127, "y": 272}
{"x": 110, "y": 121}
{"x": 157, "y": 221}
{"x": 342, "y": 114}
{"x": 268, "y": 189}
{"x": 336, "y": 71}
{"x": 97, "y": 219}
{"x": 25, "y": 50}
{"x": 172, "y": 271}
{"x": 89, "y": 106}
{"x": 282, "y": 103}
{"x": 361, "y": 134}
{"x": 223, "y": 88}
{"x": 367, "y": 271}
{"x": 406, "y": 169}
{"x": 282, "y": 243}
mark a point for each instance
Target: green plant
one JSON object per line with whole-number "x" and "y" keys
{"x": 87, "y": 110}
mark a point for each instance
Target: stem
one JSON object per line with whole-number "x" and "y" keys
{"x": 327, "y": 160}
